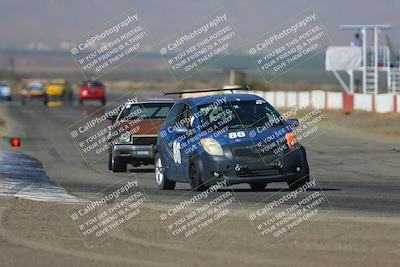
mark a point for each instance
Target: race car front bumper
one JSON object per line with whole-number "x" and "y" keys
{"x": 289, "y": 166}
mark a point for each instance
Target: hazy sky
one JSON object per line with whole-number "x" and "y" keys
{"x": 53, "y": 21}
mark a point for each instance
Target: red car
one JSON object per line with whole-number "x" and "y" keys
{"x": 92, "y": 90}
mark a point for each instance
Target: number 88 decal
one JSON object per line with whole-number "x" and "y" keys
{"x": 239, "y": 134}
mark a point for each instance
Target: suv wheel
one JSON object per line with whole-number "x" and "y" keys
{"x": 110, "y": 161}
{"x": 118, "y": 164}
{"x": 258, "y": 186}
{"x": 161, "y": 178}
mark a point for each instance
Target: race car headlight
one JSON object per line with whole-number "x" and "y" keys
{"x": 211, "y": 146}
{"x": 291, "y": 141}
{"x": 124, "y": 138}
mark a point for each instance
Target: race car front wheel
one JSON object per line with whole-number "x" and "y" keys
{"x": 196, "y": 182}
{"x": 161, "y": 177}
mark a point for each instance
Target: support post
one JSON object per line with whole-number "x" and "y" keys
{"x": 364, "y": 59}
{"x": 376, "y": 53}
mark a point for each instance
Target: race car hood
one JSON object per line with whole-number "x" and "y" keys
{"x": 142, "y": 127}
{"x": 54, "y": 89}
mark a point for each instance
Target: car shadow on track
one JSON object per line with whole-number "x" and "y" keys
{"x": 277, "y": 190}
{"x": 141, "y": 170}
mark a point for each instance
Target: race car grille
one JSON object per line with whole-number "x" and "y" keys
{"x": 251, "y": 153}
{"x": 145, "y": 140}
{"x": 265, "y": 172}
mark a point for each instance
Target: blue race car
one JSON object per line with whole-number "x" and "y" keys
{"x": 5, "y": 91}
{"x": 235, "y": 138}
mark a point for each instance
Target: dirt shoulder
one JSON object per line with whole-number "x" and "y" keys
{"x": 28, "y": 228}
{"x": 387, "y": 125}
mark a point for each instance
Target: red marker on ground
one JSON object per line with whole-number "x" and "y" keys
{"x": 15, "y": 142}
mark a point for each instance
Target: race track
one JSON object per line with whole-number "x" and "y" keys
{"x": 359, "y": 173}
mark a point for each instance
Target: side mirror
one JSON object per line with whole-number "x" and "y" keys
{"x": 112, "y": 117}
{"x": 293, "y": 122}
{"x": 181, "y": 130}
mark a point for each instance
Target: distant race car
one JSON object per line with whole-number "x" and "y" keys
{"x": 92, "y": 90}
{"x": 226, "y": 137}
{"x": 33, "y": 90}
{"x": 5, "y": 91}
{"x": 58, "y": 90}
{"x": 139, "y": 123}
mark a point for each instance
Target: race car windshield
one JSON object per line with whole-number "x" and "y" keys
{"x": 92, "y": 84}
{"x": 146, "y": 111}
{"x": 238, "y": 115}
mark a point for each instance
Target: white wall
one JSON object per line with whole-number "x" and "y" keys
{"x": 280, "y": 99}
{"x": 363, "y": 102}
{"x": 335, "y": 100}
{"x": 269, "y": 96}
{"x": 304, "y": 99}
{"x": 318, "y": 99}
{"x": 384, "y": 103}
{"x": 291, "y": 99}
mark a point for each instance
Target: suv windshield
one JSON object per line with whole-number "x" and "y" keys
{"x": 146, "y": 111}
{"x": 34, "y": 86}
{"x": 239, "y": 114}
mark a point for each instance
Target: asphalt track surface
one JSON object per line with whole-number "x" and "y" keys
{"x": 358, "y": 173}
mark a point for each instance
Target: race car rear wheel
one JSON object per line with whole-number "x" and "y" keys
{"x": 293, "y": 185}
{"x": 118, "y": 164}
{"x": 258, "y": 186}
{"x": 161, "y": 177}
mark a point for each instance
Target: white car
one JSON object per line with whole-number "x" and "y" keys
{"x": 5, "y": 91}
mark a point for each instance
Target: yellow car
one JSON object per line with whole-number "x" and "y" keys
{"x": 58, "y": 91}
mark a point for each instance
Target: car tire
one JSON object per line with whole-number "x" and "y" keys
{"x": 293, "y": 185}
{"x": 9, "y": 98}
{"x": 118, "y": 164}
{"x": 160, "y": 176}
{"x": 258, "y": 186}
{"x": 110, "y": 163}
{"x": 196, "y": 181}
{"x": 103, "y": 102}
{"x": 80, "y": 102}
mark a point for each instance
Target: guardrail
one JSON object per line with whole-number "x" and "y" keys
{"x": 382, "y": 103}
